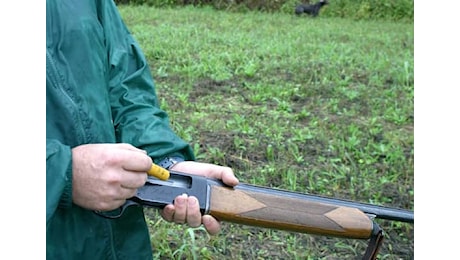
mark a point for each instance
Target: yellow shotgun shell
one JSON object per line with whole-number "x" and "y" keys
{"x": 157, "y": 171}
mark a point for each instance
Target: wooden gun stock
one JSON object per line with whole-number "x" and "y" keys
{"x": 258, "y": 208}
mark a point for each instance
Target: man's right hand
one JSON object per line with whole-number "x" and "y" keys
{"x": 105, "y": 175}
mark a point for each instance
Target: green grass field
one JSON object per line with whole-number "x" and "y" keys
{"x": 322, "y": 106}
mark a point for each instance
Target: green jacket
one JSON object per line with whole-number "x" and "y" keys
{"x": 98, "y": 90}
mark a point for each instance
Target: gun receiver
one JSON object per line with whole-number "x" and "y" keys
{"x": 275, "y": 208}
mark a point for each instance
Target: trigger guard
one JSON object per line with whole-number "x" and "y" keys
{"x": 114, "y": 214}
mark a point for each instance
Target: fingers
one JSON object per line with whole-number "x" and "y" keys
{"x": 168, "y": 213}
{"x": 126, "y": 193}
{"x": 186, "y": 210}
{"x": 228, "y": 177}
{"x": 130, "y": 147}
{"x": 208, "y": 170}
{"x": 180, "y": 211}
{"x": 224, "y": 173}
{"x": 136, "y": 161}
{"x": 133, "y": 180}
{"x": 211, "y": 224}
{"x": 132, "y": 158}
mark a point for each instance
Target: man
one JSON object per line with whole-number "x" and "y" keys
{"x": 104, "y": 128}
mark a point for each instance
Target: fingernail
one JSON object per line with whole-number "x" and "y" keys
{"x": 180, "y": 200}
{"x": 169, "y": 211}
{"x": 206, "y": 220}
{"x": 192, "y": 201}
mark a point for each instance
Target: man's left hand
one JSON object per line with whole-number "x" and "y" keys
{"x": 186, "y": 209}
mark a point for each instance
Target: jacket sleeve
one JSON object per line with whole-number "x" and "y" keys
{"x": 58, "y": 177}
{"x": 136, "y": 114}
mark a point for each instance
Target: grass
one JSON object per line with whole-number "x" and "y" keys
{"x": 322, "y": 106}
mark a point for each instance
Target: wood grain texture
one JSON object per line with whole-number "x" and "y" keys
{"x": 288, "y": 213}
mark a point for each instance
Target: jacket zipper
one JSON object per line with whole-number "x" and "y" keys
{"x": 54, "y": 76}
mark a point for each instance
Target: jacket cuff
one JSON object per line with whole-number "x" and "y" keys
{"x": 177, "y": 156}
{"x": 169, "y": 162}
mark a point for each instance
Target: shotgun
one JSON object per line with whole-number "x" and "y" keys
{"x": 274, "y": 208}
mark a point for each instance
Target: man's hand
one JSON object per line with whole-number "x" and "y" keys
{"x": 186, "y": 210}
{"x": 105, "y": 175}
